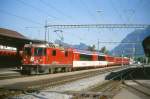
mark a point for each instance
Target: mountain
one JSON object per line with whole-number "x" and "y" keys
{"x": 77, "y": 46}
{"x": 81, "y": 46}
{"x": 66, "y": 45}
{"x": 132, "y": 49}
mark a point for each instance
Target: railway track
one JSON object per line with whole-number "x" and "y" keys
{"x": 144, "y": 89}
{"x": 38, "y": 85}
{"x": 104, "y": 90}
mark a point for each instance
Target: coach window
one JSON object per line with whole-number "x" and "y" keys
{"x": 66, "y": 53}
{"x": 101, "y": 58}
{"x": 54, "y": 53}
{"x": 84, "y": 57}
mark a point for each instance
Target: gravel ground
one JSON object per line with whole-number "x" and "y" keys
{"x": 55, "y": 93}
{"x": 8, "y": 71}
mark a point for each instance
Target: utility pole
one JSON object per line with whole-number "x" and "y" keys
{"x": 122, "y": 58}
{"x": 133, "y": 52}
{"x": 48, "y": 35}
{"x": 122, "y": 65}
{"x": 98, "y": 45}
{"x": 45, "y": 29}
{"x": 146, "y": 60}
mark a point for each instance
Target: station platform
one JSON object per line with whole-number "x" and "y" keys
{"x": 4, "y": 71}
{"x": 134, "y": 89}
{"x": 136, "y": 85}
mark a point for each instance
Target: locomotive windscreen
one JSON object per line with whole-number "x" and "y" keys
{"x": 39, "y": 51}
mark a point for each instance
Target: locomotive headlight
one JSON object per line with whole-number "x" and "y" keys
{"x": 32, "y": 59}
{"x": 37, "y": 61}
{"x": 40, "y": 60}
{"x": 24, "y": 60}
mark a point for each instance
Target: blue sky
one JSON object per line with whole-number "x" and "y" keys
{"x": 19, "y": 14}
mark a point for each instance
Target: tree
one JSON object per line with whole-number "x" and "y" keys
{"x": 91, "y": 48}
{"x": 104, "y": 50}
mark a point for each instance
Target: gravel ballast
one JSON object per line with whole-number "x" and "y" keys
{"x": 58, "y": 91}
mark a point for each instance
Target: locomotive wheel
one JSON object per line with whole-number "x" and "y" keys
{"x": 33, "y": 72}
{"x": 58, "y": 70}
{"x": 44, "y": 71}
{"x": 67, "y": 69}
{"x": 51, "y": 70}
{"x": 63, "y": 69}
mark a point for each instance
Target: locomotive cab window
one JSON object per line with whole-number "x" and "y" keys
{"x": 54, "y": 53}
{"x": 39, "y": 51}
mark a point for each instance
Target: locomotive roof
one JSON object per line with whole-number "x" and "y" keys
{"x": 101, "y": 54}
{"x": 42, "y": 45}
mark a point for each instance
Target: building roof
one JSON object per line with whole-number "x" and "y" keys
{"x": 11, "y": 33}
{"x": 14, "y": 39}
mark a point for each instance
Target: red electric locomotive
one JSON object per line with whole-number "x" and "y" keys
{"x": 45, "y": 58}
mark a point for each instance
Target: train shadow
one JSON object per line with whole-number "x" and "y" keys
{"x": 17, "y": 70}
{"x": 132, "y": 73}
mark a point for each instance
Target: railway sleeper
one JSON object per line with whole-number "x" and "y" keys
{"x": 89, "y": 95}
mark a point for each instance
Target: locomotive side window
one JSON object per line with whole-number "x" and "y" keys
{"x": 44, "y": 51}
{"x": 27, "y": 51}
{"x": 39, "y": 51}
{"x": 66, "y": 53}
{"x": 84, "y": 57}
{"x": 101, "y": 58}
{"x": 54, "y": 53}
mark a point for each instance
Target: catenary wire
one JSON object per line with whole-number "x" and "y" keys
{"x": 20, "y": 17}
